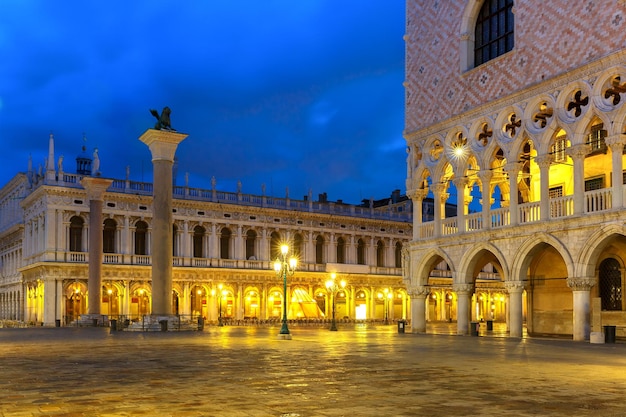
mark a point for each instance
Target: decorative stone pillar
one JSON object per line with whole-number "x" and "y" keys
{"x": 616, "y": 144}
{"x": 485, "y": 180}
{"x": 95, "y": 187}
{"x": 460, "y": 184}
{"x": 516, "y": 318}
{"x": 581, "y": 287}
{"x": 578, "y": 154}
{"x": 463, "y": 292}
{"x": 544, "y": 162}
{"x": 418, "y": 294}
{"x": 417, "y": 196}
{"x": 513, "y": 169}
{"x": 162, "y": 144}
{"x": 439, "y": 202}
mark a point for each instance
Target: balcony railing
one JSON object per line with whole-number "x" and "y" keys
{"x": 559, "y": 208}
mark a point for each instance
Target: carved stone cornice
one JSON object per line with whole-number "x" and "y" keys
{"x": 582, "y": 283}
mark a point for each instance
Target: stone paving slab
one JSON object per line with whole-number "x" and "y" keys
{"x": 357, "y": 371}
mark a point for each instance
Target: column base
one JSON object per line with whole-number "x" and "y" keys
{"x": 282, "y": 336}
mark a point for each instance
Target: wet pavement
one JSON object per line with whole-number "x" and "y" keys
{"x": 356, "y": 371}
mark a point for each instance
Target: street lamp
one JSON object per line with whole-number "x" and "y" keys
{"x": 285, "y": 266}
{"x": 220, "y": 294}
{"x": 386, "y": 298}
{"x": 333, "y": 287}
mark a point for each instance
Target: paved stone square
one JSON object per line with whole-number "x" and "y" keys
{"x": 357, "y": 371}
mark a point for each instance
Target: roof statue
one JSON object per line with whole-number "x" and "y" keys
{"x": 163, "y": 121}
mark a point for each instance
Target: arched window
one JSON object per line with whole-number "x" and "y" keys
{"x": 493, "y": 33}
{"x": 398, "y": 255}
{"x": 380, "y": 253}
{"x": 297, "y": 246}
{"x": 108, "y": 236}
{"x": 198, "y": 241}
{"x": 360, "y": 252}
{"x": 610, "y": 278}
{"x": 341, "y": 251}
{"x": 274, "y": 245}
{"x": 141, "y": 232}
{"x": 76, "y": 234}
{"x": 319, "y": 250}
{"x": 250, "y": 244}
{"x": 225, "y": 243}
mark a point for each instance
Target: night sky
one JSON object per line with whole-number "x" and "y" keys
{"x": 305, "y": 94}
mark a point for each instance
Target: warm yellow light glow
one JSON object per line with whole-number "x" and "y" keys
{"x": 293, "y": 262}
{"x": 343, "y": 284}
{"x": 329, "y": 283}
{"x": 110, "y": 291}
{"x": 284, "y": 249}
{"x": 380, "y": 295}
{"x": 220, "y": 286}
{"x": 213, "y": 293}
{"x": 199, "y": 292}
{"x": 333, "y": 275}
{"x": 277, "y": 265}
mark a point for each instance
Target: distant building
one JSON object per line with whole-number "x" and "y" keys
{"x": 517, "y": 107}
{"x": 224, "y": 245}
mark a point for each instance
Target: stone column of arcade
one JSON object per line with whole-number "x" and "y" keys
{"x": 418, "y": 296}
{"x": 516, "y": 317}
{"x": 581, "y": 289}
{"x": 463, "y": 292}
{"x": 95, "y": 188}
{"x": 162, "y": 144}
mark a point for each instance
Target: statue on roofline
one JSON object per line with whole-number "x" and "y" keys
{"x": 163, "y": 120}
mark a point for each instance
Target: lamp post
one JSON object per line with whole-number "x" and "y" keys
{"x": 220, "y": 294}
{"x": 285, "y": 266}
{"x": 386, "y": 299}
{"x": 333, "y": 287}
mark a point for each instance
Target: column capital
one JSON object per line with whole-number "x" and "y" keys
{"x": 615, "y": 141}
{"x": 513, "y": 167}
{"x": 95, "y": 187}
{"x": 485, "y": 175}
{"x": 417, "y": 194}
{"x": 439, "y": 188}
{"x": 418, "y": 291}
{"x": 581, "y": 283}
{"x": 162, "y": 143}
{"x": 514, "y": 286}
{"x": 464, "y": 289}
{"x": 578, "y": 151}
{"x": 543, "y": 161}
{"x": 460, "y": 182}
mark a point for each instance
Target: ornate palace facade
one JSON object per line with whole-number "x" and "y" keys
{"x": 224, "y": 245}
{"x": 515, "y": 112}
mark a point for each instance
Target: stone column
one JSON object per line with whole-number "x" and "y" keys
{"x": 578, "y": 153}
{"x": 463, "y": 292}
{"x": 417, "y": 197}
{"x": 544, "y": 162}
{"x": 617, "y": 190}
{"x": 418, "y": 294}
{"x": 439, "y": 203}
{"x": 95, "y": 188}
{"x": 513, "y": 169}
{"x": 163, "y": 146}
{"x": 581, "y": 287}
{"x": 485, "y": 181}
{"x": 516, "y": 318}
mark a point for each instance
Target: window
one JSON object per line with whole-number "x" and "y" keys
{"x": 360, "y": 252}
{"x": 596, "y": 139}
{"x": 225, "y": 243}
{"x": 275, "y": 246}
{"x": 319, "y": 250}
{"x": 141, "y": 231}
{"x": 198, "y": 242}
{"x": 108, "y": 236}
{"x": 380, "y": 253}
{"x": 250, "y": 243}
{"x": 594, "y": 184}
{"x": 76, "y": 234}
{"x": 558, "y": 149}
{"x": 555, "y": 192}
{"x": 610, "y": 278}
{"x": 493, "y": 33}
{"x": 398, "y": 255}
{"x": 341, "y": 251}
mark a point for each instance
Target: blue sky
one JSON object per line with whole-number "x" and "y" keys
{"x": 303, "y": 94}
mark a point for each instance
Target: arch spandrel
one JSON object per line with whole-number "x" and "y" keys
{"x": 427, "y": 262}
{"x": 470, "y": 258}
{"x": 523, "y": 255}
{"x": 593, "y": 247}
